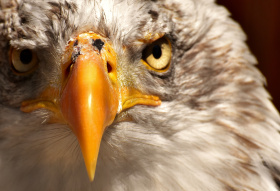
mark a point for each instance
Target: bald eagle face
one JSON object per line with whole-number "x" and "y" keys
{"x": 135, "y": 95}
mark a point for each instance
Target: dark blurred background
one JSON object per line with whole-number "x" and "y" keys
{"x": 260, "y": 19}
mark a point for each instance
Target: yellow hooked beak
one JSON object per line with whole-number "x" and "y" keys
{"x": 90, "y": 94}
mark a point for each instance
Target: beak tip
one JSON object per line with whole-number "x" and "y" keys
{"x": 90, "y": 165}
{"x": 91, "y": 176}
{"x": 91, "y": 172}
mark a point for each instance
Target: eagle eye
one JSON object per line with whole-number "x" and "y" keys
{"x": 23, "y": 61}
{"x": 158, "y": 54}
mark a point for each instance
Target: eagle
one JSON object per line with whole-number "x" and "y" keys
{"x": 132, "y": 95}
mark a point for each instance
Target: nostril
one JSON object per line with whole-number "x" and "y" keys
{"x": 109, "y": 67}
{"x": 68, "y": 70}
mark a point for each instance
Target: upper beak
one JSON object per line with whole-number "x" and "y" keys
{"x": 90, "y": 95}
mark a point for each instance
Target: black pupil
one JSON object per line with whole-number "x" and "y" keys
{"x": 26, "y": 56}
{"x": 157, "y": 51}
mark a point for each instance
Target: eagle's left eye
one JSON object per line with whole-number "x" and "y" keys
{"x": 158, "y": 54}
{"x": 23, "y": 61}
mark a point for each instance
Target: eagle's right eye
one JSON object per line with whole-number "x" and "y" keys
{"x": 158, "y": 54}
{"x": 23, "y": 61}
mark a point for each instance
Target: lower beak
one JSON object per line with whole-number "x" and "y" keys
{"x": 90, "y": 98}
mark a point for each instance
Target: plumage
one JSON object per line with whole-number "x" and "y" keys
{"x": 215, "y": 129}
